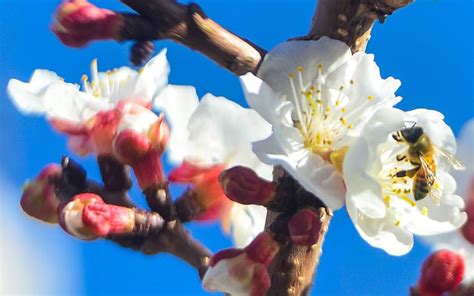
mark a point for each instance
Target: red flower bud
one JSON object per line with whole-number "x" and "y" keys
{"x": 87, "y": 217}
{"x": 39, "y": 199}
{"x": 78, "y": 22}
{"x": 242, "y": 271}
{"x": 442, "y": 272}
{"x": 244, "y": 186}
{"x": 304, "y": 227}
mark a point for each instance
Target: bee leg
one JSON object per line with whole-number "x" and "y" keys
{"x": 407, "y": 173}
{"x": 396, "y": 137}
{"x": 401, "y": 157}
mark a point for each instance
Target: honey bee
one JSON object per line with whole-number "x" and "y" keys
{"x": 421, "y": 154}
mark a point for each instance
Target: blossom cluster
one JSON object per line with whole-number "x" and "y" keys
{"x": 319, "y": 111}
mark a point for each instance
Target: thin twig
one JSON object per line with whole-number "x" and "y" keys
{"x": 153, "y": 233}
{"x": 190, "y": 26}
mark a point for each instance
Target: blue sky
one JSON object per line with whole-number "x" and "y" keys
{"x": 428, "y": 46}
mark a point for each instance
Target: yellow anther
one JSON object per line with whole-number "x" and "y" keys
{"x": 424, "y": 211}
{"x": 386, "y": 200}
{"x": 318, "y": 91}
{"x": 397, "y": 223}
{"x": 291, "y": 75}
{"x": 351, "y": 126}
{"x": 300, "y": 69}
{"x": 328, "y": 109}
{"x": 312, "y": 88}
{"x": 341, "y": 87}
{"x": 343, "y": 120}
{"x": 320, "y": 66}
{"x": 352, "y": 81}
{"x": 318, "y": 138}
{"x": 338, "y": 102}
{"x": 319, "y": 101}
{"x": 343, "y": 110}
{"x": 407, "y": 190}
{"x": 370, "y": 98}
{"x": 408, "y": 200}
{"x": 84, "y": 77}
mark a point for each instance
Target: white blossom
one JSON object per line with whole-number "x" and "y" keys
{"x": 216, "y": 131}
{"x": 381, "y": 204}
{"x": 317, "y": 96}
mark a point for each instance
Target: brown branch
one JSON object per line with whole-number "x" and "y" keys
{"x": 189, "y": 25}
{"x": 152, "y": 233}
{"x": 351, "y": 20}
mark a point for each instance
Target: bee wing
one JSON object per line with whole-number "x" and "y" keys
{"x": 455, "y": 163}
{"x": 435, "y": 192}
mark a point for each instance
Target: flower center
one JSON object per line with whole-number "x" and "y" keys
{"x": 104, "y": 85}
{"x": 321, "y": 112}
{"x": 396, "y": 187}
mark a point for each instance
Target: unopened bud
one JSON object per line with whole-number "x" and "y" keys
{"x": 242, "y": 271}
{"x": 442, "y": 272}
{"x": 78, "y": 22}
{"x": 304, "y": 227}
{"x": 39, "y": 199}
{"x": 87, "y": 217}
{"x": 244, "y": 186}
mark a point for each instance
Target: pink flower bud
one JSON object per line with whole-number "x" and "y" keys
{"x": 208, "y": 191}
{"x": 304, "y": 227}
{"x": 78, "y": 22}
{"x": 107, "y": 219}
{"x": 135, "y": 140}
{"x": 87, "y": 217}
{"x": 39, "y": 199}
{"x": 242, "y": 271}
{"x": 244, "y": 186}
{"x": 442, "y": 272}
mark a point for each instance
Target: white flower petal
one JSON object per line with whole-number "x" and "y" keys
{"x": 286, "y": 57}
{"x": 178, "y": 103}
{"x": 260, "y": 96}
{"x": 153, "y": 77}
{"x": 380, "y": 234}
{"x": 310, "y": 170}
{"x": 221, "y": 131}
{"x": 28, "y": 96}
{"x": 218, "y": 278}
{"x": 247, "y": 221}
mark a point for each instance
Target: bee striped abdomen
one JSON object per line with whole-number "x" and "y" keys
{"x": 421, "y": 187}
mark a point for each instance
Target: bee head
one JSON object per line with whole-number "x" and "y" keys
{"x": 412, "y": 134}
